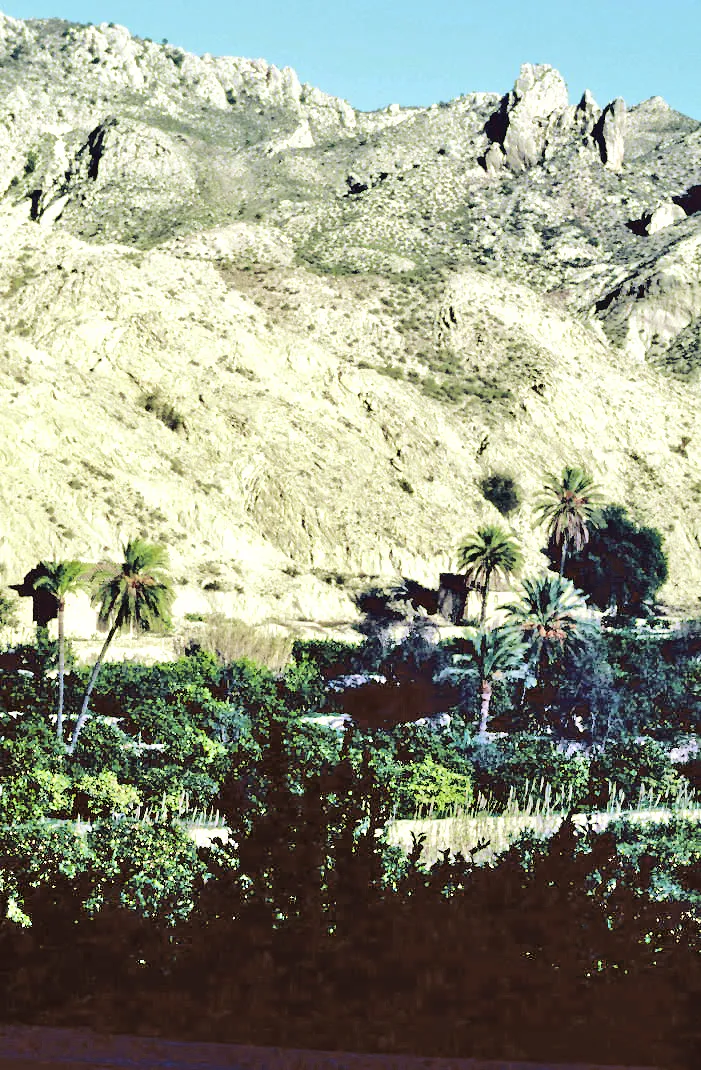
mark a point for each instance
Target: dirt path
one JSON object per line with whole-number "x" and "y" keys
{"x": 30, "y": 1048}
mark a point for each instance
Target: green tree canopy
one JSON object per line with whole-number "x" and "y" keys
{"x": 568, "y": 506}
{"x": 138, "y": 593}
{"x": 490, "y": 550}
{"x": 622, "y": 565}
{"x": 61, "y": 578}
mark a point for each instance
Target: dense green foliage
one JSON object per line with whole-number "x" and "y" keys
{"x": 299, "y": 924}
{"x": 136, "y": 928}
{"x": 623, "y": 565}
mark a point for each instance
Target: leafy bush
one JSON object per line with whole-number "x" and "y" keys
{"x": 31, "y": 782}
{"x": 102, "y": 795}
{"x": 431, "y": 786}
{"x": 674, "y": 845}
{"x": 502, "y": 491}
{"x": 521, "y": 763}
{"x": 655, "y": 685}
{"x": 103, "y": 746}
{"x": 632, "y": 765}
{"x": 32, "y": 853}
{"x": 303, "y": 686}
{"x": 622, "y": 565}
{"x": 173, "y": 790}
{"x": 149, "y": 868}
{"x": 332, "y": 656}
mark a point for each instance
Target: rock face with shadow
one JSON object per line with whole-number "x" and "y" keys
{"x": 527, "y": 116}
{"x": 610, "y": 134}
{"x": 291, "y": 340}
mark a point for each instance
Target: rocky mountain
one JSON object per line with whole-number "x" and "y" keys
{"x": 290, "y": 339}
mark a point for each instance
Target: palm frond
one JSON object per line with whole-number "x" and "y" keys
{"x": 490, "y": 549}
{"x": 551, "y": 609}
{"x": 136, "y": 593}
{"x": 496, "y": 650}
{"x": 61, "y": 577}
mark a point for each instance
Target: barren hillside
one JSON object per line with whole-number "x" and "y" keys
{"x": 289, "y": 339}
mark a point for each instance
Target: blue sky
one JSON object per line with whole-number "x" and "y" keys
{"x": 377, "y": 53}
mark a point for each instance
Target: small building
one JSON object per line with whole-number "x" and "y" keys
{"x": 454, "y": 590}
{"x": 44, "y": 605}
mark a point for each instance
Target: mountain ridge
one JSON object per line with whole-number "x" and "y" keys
{"x": 354, "y": 317}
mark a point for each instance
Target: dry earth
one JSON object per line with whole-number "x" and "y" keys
{"x": 289, "y": 339}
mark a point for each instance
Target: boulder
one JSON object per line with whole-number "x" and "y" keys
{"x": 494, "y": 159}
{"x": 664, "y": 215}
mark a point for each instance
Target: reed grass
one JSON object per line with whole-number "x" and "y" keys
{"x": 539, "y": 809}
{"x": 231, "y": 639}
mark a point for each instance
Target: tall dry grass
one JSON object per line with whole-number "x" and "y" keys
{"x": 231, "y": 639}
{"x": 539, "y": 809}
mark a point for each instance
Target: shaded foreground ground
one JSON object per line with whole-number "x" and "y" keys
{"x": 30, "y": 1048}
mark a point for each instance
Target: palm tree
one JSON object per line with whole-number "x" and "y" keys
{"x": 489, "y": 550}
{"x": 551, "y": 613}
{"x": 568, "y": 506}
{"x": 138, "y": 593}
{"x": 61, "y": 578}
{"x": 494, "y": 650}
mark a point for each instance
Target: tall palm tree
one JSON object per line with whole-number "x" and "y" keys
{"x": 569, "y": 506}
{"x": 137, "y": 593}
{"x": 489, "y": 550}
{"x": 551, "y": 614}
{"x": 61, "y": 578}
{"x": 494, "y": 650}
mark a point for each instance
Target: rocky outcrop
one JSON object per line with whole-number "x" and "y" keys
{"x": 586, "y": 116}
{"x": 527, "y": 116}
{"x": 651, "y": 308}
{"x": 610, "y": 134}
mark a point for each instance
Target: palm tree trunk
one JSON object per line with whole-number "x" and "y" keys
{"x": 61, "y": 670}
{"x": 484, "y": 709}
{"x": 563, "y": 556}
{"x": 485, "y": 595}
{"x": 88, "y": 691}
{"x": 541, "y": 662}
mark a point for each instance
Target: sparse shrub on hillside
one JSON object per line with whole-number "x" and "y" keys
{"x": 154, "y": 402}
{"x": 8, "y": 612}
{"x": 502, "y": 491}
